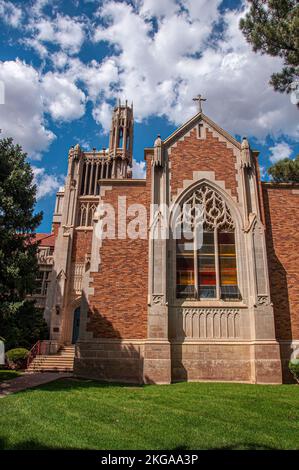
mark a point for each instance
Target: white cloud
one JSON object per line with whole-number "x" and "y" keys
{"x": 11, "y": 14}
{"x": 38, "y": 6}
{"x": 66, "y": 32}
{"x": 102, "y": 115}
{"x": 98, "y": 77}
{"x": 158, "y": 64}
{"x": 62, "y": 98}
{"x": 22, "y": 115}
{"x": 161, "y": 68}
{"x": 279, "y": 151}
{"x": 138, "y": 169}
{"x": 47, "y": 184}
{"x": 154, "y": 8}
{"x": 28, "y": 96}
{"x": 60, "y": 59}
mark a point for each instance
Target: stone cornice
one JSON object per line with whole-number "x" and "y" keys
{"x": 123, "y": 182}
{"x": 274, "y": 184}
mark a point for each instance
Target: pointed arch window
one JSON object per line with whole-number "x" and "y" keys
{"x": 206, "y": 265}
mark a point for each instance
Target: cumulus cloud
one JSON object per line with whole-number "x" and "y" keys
{"x": 63, "y": 99}
{"x": 47, "y": 184}
{"x": 162, "y": 67}
{"x": 66, "y": 32}
{"x": 22, "y": 115}
{"x": 159, "y": 55}
{"x": 138, "y": 169}
{"x": 98, "y": 77}
{"x": 28, "y": 96}
{"x": 152, "y": 8}
{"x": 279, "y": 151}
{"x": 102, "y": 115}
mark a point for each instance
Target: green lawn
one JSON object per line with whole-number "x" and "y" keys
{"x": 8, "y": 375}
{"x": 88, "y": 415}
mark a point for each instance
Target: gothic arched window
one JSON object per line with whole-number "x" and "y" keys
{"x": 206, "y": 265}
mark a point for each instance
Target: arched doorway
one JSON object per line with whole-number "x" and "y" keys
{"x": 76, "y": 325}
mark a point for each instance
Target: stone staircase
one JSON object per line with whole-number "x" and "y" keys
{"x": 63, "y": 361}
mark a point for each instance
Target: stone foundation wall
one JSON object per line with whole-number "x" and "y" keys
{"x": 111, "y": 361}
{"x": 266, "y": 363}
{"x": 134, "y": 361}
{"x": 247, "y": 362}
{"x": 191, "y": 361}
{"x": 157, "y": 362}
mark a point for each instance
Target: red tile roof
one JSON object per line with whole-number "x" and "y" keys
{"x": 45, "y": 239}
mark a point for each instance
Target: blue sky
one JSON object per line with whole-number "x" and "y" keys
{"x": 64, "y": 64}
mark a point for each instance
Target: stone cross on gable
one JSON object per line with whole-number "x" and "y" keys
{"x": 199, "y": 98}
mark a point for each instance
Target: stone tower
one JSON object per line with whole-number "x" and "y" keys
{"x": 121, "y": 141}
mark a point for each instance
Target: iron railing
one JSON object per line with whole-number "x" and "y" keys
{"x": 36, "y": 350}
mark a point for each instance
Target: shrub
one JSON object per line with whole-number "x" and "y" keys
{"x": 17, "y": 358}
{"x": 294, "y": 368}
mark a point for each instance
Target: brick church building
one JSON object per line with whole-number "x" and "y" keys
{"x": 157, "y": 308}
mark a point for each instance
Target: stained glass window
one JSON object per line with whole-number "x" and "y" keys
{"x": 206, "y": 267}
{"x": 228, "y": 266}
{"x": 208, "y": 270}
{"x": 185, "y": 270}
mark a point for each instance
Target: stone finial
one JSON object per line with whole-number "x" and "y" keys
{"x": 245, "y": 154}
{"x": 158, "y": 153}
{"x": 77, "y": 151}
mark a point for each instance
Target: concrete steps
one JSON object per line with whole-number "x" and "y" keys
{"x": 63, "y": 361}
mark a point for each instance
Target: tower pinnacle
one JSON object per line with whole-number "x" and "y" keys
{"x": 121, "y": 140}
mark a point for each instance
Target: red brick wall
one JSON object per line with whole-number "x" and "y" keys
{"x": 282, "y": 213}
{"x": 55, "y": 228}
{"x": 81, "y": 245}
{"x": 118, "y": 308}
{"x": 193, "y": 154}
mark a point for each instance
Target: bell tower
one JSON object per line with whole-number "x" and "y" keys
{"x": 121, "y": 141}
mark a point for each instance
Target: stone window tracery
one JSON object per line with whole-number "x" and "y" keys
{"x": 206, "y": 265}
{"x": 86, "y": 213}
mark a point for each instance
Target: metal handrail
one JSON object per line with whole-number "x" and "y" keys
{"x": 34, "y": 351}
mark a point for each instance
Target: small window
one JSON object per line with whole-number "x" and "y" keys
{"x": 42, "y": 283}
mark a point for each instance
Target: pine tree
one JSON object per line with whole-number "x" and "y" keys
{"x": 272, "y": 27}
{"x": 285, "y": 171}
{"x": 18, "y": 250}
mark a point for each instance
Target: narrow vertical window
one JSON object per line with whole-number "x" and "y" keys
{"x": 120, "y": 137}
{"x": 206, "y": 267}
{"x": 185, "y": 282}
{"x": 83, "y": 179}
{"x": 228, "y": 266}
